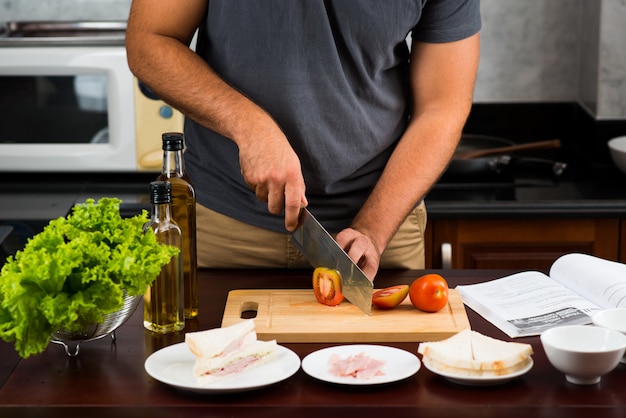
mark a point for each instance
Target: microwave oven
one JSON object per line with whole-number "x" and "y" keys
{"x": 77, "y": 108}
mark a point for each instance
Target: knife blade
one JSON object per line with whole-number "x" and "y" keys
{"x": 321, "y": 250}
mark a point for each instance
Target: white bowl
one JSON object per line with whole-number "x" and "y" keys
{"x": 617, "y": 148}
{"x": 584, "y": 353}
{"x": 611, "y": 318}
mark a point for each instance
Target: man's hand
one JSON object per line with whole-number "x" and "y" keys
{"x": 361, "y": 249}
{"x": 271, "y": 168}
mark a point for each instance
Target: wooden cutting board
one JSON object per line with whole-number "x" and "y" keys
{"x": 296, "y": 316}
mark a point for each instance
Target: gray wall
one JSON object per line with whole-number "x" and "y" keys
{"x": 532, "y": 50}
{"x": 555, "y": 50}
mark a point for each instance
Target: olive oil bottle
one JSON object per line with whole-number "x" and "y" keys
{"x": 183, "y": 213}
{"x": 163, "y": 309}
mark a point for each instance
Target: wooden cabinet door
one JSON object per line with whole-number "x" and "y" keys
{"x": 622, "y": 241}
{"x": 520, "y": 243}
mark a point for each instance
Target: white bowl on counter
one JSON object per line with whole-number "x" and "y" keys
{"x": 613, "y": 319}
{"x": 617, "y": 148}
{"x": 584, "y": 353}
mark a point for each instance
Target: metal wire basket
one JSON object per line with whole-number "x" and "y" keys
{"x": 71, "y": 340}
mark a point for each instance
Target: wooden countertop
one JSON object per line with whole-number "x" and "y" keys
{"x": 108, "y": 379}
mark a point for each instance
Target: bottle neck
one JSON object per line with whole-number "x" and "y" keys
{"x": 173, "y": 162}
{"x": 161, "y": 211}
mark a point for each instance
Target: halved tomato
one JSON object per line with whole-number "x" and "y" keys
{"x": 390, "y": 297}
{"x": 327, "y": 286}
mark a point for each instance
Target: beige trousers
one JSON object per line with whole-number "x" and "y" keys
{"x": 224, "y": 242}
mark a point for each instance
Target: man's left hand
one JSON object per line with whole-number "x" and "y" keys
{"x": 361, "y": 249}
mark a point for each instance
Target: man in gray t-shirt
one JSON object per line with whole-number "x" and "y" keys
{"x": 317, "y": 103}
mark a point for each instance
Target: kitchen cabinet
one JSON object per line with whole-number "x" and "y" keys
{"x": 622, "y": 241}
{"x": 523, "y": 244}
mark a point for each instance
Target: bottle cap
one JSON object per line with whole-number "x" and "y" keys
{"x": 160, "y": 192}
{"x": 172, "y": 141}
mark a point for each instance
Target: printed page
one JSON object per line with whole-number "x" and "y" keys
{"x": 601, "y": 281}
{"x": 527, "y": 303}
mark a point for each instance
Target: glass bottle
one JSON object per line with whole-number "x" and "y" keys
{"x": 163, "y": 309}
{"x": 183, "y": 213}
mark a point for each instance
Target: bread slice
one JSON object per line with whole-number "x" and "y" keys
{"x": 223, "y": 352}
{"x": 455, "y": 351}
{"x": 470, "y": 350}
{"x": 220, "y": 341}
{"x": 251, "y": 355}
{"x": 461, "y": 372}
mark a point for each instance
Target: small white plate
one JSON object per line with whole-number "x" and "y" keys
{"x": 399, "y": 364}
{"x": 173, "y": 365}
{"x": 478, "y": 380}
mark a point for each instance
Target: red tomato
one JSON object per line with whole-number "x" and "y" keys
{"x": 327, "y": 286}
{"x": 429, "y": 293}
{"x": 390, "y": 297}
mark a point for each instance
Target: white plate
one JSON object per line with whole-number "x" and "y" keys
{"x": 173, "y": 365}
{"x": 478, "y": 380}
{"x": 399, "y": 364}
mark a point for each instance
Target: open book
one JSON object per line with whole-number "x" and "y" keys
{"x": 530, "y": 302}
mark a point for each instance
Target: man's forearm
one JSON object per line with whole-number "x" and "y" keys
{"x": 415, "y": 165}
{"x": 181, "y": 78}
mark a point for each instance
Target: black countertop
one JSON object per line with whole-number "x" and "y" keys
{"x": 595, "y": 192}
{"x": 41, "y": 196}
{"x": 600, "y": 191}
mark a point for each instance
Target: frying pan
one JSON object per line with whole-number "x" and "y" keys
{"x": 493, "y": 168}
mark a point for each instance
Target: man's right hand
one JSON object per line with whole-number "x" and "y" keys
{"x": 271, "y": 168}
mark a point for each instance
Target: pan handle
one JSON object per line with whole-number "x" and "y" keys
{"x": 538, "y": 165}
{"x": 547, "y": 144}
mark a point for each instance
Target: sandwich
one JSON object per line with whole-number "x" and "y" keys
{"x": 470, "y": 353}
{"x": 223, "y": 352}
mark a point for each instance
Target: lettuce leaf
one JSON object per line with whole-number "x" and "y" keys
{"x": 76, "y": 270}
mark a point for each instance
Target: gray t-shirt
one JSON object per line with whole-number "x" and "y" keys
{"x": 333, "y": 74}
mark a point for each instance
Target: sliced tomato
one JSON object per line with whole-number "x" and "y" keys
{"x": 327, "y": 286}
{"x": 390, "y": 297}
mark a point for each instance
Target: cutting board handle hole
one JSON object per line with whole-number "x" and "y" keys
{"x": 249, "y": 310}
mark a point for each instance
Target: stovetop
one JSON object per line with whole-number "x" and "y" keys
{"x": 594, "y": 190}
{"x": 561, "y": 176}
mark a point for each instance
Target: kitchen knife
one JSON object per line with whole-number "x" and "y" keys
{"x": 321, "y": 250}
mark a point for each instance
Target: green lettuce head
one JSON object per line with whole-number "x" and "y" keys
{"x": 77, "y": 267}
